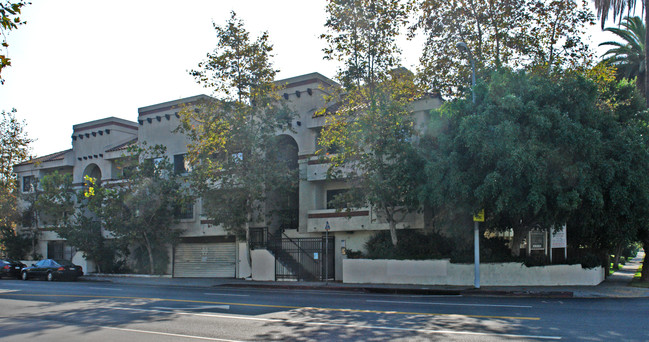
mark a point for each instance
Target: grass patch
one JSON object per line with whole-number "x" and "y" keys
{"x": 636, "y": 280}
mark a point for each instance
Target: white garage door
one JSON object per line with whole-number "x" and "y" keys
{"x": 205, "y": 260}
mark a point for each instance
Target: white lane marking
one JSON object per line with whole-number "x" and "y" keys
{"x": 454, "y": 304}
{"x": 105, "y": 288}
{"x": 222, "y": 307}
{"x": 226, "y": 294}
{"x": 286, "y": 321}
{"x": 170, "y": 334}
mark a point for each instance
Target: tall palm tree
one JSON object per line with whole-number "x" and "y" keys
{"x": 629, "y": 54}
{"x": 618, "y": 8}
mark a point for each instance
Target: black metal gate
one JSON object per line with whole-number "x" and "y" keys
{"x": 303, "y": 258}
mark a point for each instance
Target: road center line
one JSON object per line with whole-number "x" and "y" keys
{"x": 105, "y": 288}
{"x": 271, "y": 306}
{"x": 202, "y": 307}
{"x": 170, "y": 334}
{"x": 343, "y": 325}
{"x": 454, "y": 304}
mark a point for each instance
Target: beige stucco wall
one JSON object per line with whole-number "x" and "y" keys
{"x": 244, "y": 269}
{"x": 263, "y": 265}
{"x": 442, "y": 272}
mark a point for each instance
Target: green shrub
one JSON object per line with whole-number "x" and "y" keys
{"x": 631, "y": 250}
{"x": 412, "y": 245}
{"x": 351, "y": 254}
{"x": 492, "y": 250}
{"x": 536, "y": 260}
{"x": 15, "y": 246}
{"x": 586, "y": 258}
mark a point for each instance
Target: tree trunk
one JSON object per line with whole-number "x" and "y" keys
{"x": 151, "y": 268}
{"x": 519, "y": 235}
{"x": 645, "y": 269}
{"x": 606, "y": 262}
{"x": 150, "y": 252}
{"x": 393, "y": 232}
{"x": 616, "y": 257}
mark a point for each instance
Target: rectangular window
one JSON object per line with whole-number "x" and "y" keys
{"x": 181, "y": 164}
{"x": 332, "y": 195}
{"x": 185, "y": 212}
{"x": 58, "y": 250}
{"x": 28, "y": 183}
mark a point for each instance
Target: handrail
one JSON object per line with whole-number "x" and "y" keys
{"x": 299, "y": 247}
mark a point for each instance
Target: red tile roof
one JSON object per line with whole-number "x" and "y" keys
{"x": 47, "y": 158}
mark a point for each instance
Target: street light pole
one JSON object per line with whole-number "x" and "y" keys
{"x": 476, "y": 226}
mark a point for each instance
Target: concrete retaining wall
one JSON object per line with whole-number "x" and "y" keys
{"x": 442, "y": 272}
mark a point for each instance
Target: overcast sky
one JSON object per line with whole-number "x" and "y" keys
{"x": 78, "y": 60}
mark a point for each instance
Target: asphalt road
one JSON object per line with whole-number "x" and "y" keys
{"x": 92, "y": 311}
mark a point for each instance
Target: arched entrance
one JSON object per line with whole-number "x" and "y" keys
{"x": 93, "y": 171}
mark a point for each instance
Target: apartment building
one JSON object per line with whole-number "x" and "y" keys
{"x": 295, "y": 249}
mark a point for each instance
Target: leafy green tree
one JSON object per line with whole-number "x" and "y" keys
{"x": 13, "y": 245}
{"x": 369, "y": 139}
{"x": 628, "y": 56}
{"x": 233, "y": 135}
{"x": 14, "y": 148}
{"x": 66, "y": 209}
{"x": 536, "y": 34}
{"x": 530, "y": 152}
{"x": 616, "y": 212}
{"x": 362, "y": 35}
{"x": 141, "y": 210}
{"x": 10, "y": 20}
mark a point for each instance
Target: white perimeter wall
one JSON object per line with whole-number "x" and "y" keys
{"x": 442, "y": 272}
{"x": 263, "y": 265}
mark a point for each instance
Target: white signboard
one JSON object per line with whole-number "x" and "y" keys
{"x": 558, "y": 238}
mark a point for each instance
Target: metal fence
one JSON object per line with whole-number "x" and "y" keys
{"x": 303, "y": 258}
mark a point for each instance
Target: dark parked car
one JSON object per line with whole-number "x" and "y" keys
{"x": 10, "y": 268}
{"x": 52, "y": 269}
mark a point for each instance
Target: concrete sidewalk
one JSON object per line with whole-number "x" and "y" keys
{"x": 615, "y": 286}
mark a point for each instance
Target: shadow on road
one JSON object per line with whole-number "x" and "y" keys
{"x": 84, "y": 316}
